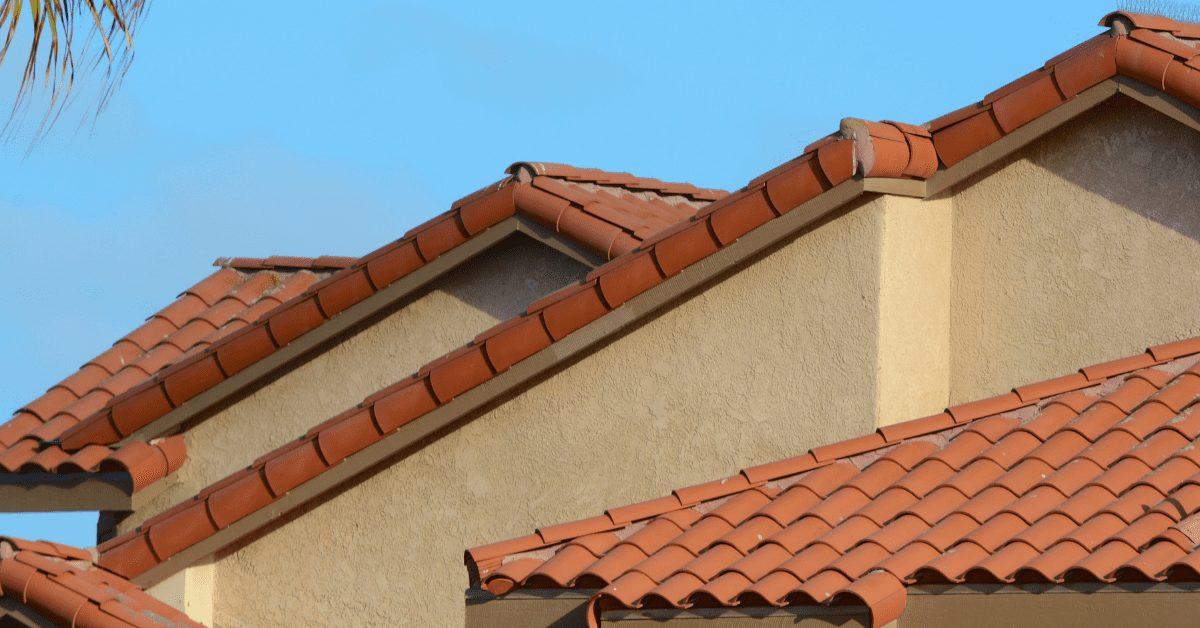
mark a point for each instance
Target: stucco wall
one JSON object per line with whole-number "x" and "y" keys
{"x": 485, "y": 290}
{"x": 773, "y": 360}
{"x": 1079, "y": 249}
{"x": 914, "y": 309}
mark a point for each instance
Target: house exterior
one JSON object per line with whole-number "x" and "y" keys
{"x": 307, "y": 438}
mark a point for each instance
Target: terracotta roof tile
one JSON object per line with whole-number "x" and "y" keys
{"x": 250, "y": 307}
{"x": 62, "y": 584}
{"x": 115, "y": 392}
{"x": 1079, "y": 486}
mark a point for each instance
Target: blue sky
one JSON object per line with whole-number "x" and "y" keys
{"x": 331, "y": 129}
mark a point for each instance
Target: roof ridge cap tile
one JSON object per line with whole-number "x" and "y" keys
{"x": 526, "y": 171}
{"x": 1148, "y": 21}
{"x": 285, "y": 262}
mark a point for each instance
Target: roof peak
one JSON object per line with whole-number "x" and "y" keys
{"x": 526, "y": 171}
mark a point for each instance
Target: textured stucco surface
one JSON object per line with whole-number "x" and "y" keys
{"x": 914, "y": 309}
{"x": 190, "y": 590}
{"x": 1080, "y": 248}
{"x": 770, "y": 362}
{"x": 1052, "y": 610}
{"x": 485, "y": 290}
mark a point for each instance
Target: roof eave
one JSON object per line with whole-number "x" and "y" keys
{"x": 69, "y": 492}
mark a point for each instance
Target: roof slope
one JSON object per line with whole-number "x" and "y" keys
{"x": 61, "y": 583}
{"x": 1156, "y": 51}
{"x": 860, "y": 149}
{"x": 231, "y": 298}
{"x": 251, "y": 307}
{"x": 1094, "y": 477}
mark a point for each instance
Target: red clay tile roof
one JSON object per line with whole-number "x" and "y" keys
{"x": 61, "y": 583}
{"x": 228, "y": 300}
{"x": 251, "y": 307}
{"x": 1092, "y": 477}
{"x": 891, "y": 149}
{"x": 1159, "y": 52}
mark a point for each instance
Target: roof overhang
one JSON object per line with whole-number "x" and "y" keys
{"x": 633, "y": 313}
{"x": 67, "y": 492}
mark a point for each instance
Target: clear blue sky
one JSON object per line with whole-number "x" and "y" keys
{"x": 317, "y": 128}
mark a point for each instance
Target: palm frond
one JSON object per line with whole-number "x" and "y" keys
{"x": 1182, "y": 11}
{"x": 53, "y": 54}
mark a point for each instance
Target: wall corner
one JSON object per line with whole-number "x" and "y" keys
{"x": 913, "y": 359}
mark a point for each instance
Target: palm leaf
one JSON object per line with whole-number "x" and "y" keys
{"x": 53, "y": 53}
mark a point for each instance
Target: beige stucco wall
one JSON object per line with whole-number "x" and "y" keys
{"x": 773, "y": 360}
{"x": 485, "y": 290}
{"x": 914, "y": 309}
{"x": 1079, "y": 249}
{"x": 190, "y": 590}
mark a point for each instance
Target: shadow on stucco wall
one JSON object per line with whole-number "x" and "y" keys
{"x": 503, "y": 281}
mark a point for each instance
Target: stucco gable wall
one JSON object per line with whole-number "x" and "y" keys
{"x": 1081, "y": 248}
{"x": 490, "y": 288}
{"x": 771, "y": 361}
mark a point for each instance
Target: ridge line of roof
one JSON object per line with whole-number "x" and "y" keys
{"x": 285, "y": 262}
